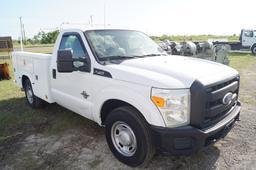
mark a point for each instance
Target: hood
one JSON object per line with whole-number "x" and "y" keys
{"x": 170, "y": 71}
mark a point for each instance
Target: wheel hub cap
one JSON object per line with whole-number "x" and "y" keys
{"x": 123, "y": 138}
{"x": 30, "y": 95}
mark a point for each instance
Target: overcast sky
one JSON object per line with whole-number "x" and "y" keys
{"x": 155, "y": 17}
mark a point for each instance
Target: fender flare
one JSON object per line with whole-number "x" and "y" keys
{"x": 28, "y": 76}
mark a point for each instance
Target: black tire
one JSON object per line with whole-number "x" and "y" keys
{"x": 145, "y": 149}
{"x": 253, "y": 49}
{"x": 32, "y": 100}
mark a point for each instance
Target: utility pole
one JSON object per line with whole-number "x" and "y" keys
{"x": 21, "y": 35}
{"x": 91, "y": 20}
{"x": 24, "y": 33}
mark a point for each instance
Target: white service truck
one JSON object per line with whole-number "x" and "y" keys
{"x": 148, "y": 101}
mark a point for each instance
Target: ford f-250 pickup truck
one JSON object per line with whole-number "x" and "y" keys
{"x": 148, "y": 101}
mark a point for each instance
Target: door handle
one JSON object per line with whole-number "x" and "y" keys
{"x": 54, "y": 73}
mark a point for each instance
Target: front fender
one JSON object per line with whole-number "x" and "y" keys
{"x": 138, "y": 97}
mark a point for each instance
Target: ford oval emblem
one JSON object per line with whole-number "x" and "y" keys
{"x": 227, "y": 99}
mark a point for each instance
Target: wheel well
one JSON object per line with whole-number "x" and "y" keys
{"x": 23, "y": 80}
{"x": 253, "y": 49}
{"x": 110, "y": 105}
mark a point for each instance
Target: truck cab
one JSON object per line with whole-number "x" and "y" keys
{"x": 248, "y": 39}
{"x": 147, "y": 100}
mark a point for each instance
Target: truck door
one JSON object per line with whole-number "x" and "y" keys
{"x": 248, "y": 38}
{"x": 73, "y": 90}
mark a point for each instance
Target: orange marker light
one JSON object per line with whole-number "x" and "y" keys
{"x": 158, "y": 101}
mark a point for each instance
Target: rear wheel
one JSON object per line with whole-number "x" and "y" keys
{"x": 253, "y": 49}
{"x": 32, "y": 100}
{"x": 128, "y": 136}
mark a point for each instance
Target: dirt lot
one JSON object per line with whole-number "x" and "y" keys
{"x": 55, "y": 138}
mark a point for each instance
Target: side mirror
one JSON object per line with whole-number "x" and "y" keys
{"x": 65, "y": 61}
{"x": 83, "y": 65}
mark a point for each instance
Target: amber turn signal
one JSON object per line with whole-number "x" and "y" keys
{"x": 158, "y": 101}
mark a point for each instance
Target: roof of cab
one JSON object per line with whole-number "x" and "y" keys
{"x": 90, "y": 29}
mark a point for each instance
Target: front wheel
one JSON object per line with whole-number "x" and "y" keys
{"x": 128, "y": 136}
{"x": 32, "y": 100}
{"x": 253, "y": 49}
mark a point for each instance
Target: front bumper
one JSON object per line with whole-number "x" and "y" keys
{"x": 188, "y": 139}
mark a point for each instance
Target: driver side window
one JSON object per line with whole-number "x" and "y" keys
{"x": 248, "y": 33}
{"x": 74, "y": 43}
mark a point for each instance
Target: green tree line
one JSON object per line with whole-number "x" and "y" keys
{"x": 50, "y": 38}
{"x": 180, "y": 38}
{"x": 43, "y": 38}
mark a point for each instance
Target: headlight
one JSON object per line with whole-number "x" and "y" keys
{"x": 174, "y": 105}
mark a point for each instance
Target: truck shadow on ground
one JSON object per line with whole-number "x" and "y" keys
{"x": 53, "y": 137}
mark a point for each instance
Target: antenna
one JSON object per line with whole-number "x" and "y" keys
{"x": 21, "y": 35}
{"x": 104, "y": 15}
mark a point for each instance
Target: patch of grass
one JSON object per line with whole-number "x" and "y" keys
{"x": 7, "y": 86}
{"x": 34, "y": 45}
{"x": 61, "y": 119}
{"x": 180, "y": 38}
{"x": 249, "y": 101}
{"x": 93, "y": 164}
{"x": 39, "y": 49}
{"x": 15, "y": 114}
{"x": 4, "y": 55}
{"x": 241, "y": 61}
{"x": 44, "y": 51}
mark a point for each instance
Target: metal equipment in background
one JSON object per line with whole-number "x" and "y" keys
{"x": 205, "y": 50}
{"x": 6, "y": 46}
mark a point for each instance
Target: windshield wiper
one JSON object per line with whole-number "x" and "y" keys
{"x": 124, "y": 57}
{"x": 150, "y": 55}
{"x": 117, "y": 57}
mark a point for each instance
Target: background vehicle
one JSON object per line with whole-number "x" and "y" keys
{"x": 123, "y": 80}
{"x": 247, "y": 41}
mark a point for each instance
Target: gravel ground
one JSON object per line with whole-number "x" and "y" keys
{"x": 85, "y": 147}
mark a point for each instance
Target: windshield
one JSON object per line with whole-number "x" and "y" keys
{"x": 122, "y": 44}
